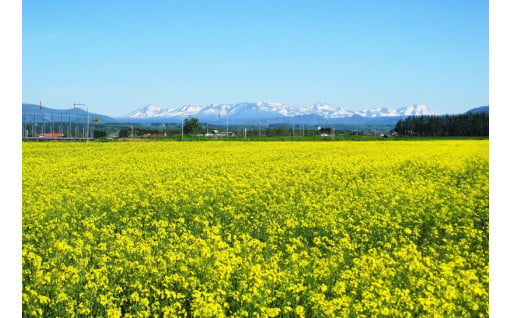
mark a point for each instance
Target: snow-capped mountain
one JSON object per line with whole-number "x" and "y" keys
{"x": 416, "y": 110}
{"x": 325, "y": 110}
{"x": 270, "y": 110}
{"x": 146, "y": 112}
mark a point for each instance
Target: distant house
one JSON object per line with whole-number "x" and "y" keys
{"x": 50, "y": 135}
{"x": 153, "y": 134}
{"x": 113, "y": 135}
{"x": 223, "y": 134}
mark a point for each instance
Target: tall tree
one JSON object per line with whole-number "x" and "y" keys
{"x": 191, "y": 126}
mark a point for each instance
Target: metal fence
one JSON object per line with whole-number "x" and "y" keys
{"x": 40, "y": 126}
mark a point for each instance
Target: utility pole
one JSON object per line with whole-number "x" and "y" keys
{"x": 87, "y": 123}
{"x": 42, "y": 112}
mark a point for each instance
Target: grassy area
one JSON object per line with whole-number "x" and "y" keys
{"x": 296, "y": 138}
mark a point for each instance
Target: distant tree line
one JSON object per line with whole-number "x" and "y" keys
{"x": 470, "y": 124}
{"x": 137, "y": 131}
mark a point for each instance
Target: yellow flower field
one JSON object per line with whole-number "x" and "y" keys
{"x": 257, "y": 229}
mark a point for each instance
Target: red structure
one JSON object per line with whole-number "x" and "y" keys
{"x": 50, "y": 135}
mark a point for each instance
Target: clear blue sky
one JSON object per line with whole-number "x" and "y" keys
{"x": 116, "y": 56}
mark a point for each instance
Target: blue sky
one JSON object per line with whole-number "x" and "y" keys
{"x": 116, "y": 56}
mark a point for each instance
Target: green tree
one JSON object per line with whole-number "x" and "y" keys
{"x": 191, "y": 126}
{"x": 99, "y": 133}
{"x": 124, "y": 132}
{"x": 281, "y": 131}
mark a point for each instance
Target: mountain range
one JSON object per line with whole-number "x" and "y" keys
{"x": 476, "y": 110}
{"x": 270, "y": 112}
{"x": 251, "y": 113}
{"x": 29, "y": 110}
